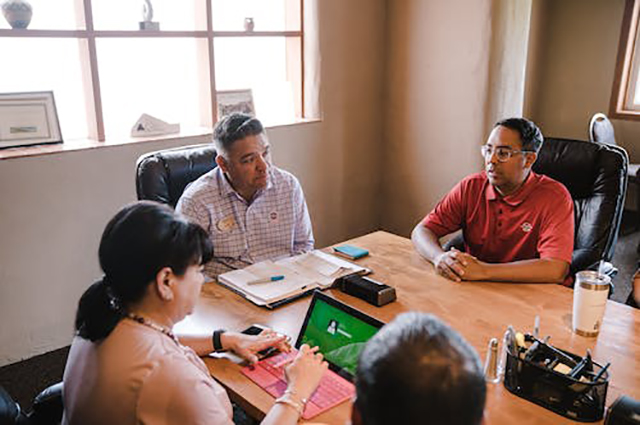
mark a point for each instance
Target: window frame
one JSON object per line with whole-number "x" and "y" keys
{"x": 89, "y": 61}
{"x": 627, "y": 65}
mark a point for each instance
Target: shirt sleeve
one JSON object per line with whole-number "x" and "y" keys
{"x": 177, "y": 393}
{"x": 303, "y": 233}
{"x": 557, "y": 232}
{"x": 448, "y": 215}
{"x": 194, "y": 211}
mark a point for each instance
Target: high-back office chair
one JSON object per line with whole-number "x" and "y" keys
{"x": 596, "y": 176}
{"x": 163, "y": 175}
{"x": 47, "y": 408}
{"x": 601, "y": 130}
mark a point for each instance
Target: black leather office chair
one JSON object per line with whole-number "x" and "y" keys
{"x": 163, "y": 175}
{"x": 596, "y": 176}
{"x": 47, "y": 408}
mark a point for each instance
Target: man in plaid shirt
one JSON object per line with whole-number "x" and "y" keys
{"x": 252, "y": 210}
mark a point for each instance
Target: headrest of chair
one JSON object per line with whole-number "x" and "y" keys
{"x": 601, "y": 129}
{"x": 585, "y": 168}
{"x": 163, "y": 175}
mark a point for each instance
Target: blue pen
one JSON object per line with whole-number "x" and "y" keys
{"x": 266, "y": 280}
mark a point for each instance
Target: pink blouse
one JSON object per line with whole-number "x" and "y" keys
{"x": 138, "y": 375}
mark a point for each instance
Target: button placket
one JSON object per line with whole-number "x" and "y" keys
{"x": 499, "y": 220}
{"x": 240, "y": 203}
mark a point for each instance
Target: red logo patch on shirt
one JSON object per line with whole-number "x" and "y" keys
{"x": 526, "y": 227}
{"x": 273, "y": 216}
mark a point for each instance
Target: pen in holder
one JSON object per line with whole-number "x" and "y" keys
{"x": 570, "y": 385}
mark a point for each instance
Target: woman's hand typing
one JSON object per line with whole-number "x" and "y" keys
{"x": 248, "y": 346}
{"x": 305, "y": 371}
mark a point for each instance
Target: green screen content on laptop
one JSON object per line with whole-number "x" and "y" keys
{"x": 340, "y": 336}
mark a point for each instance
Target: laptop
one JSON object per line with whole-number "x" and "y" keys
{"x": 340, "y": 332}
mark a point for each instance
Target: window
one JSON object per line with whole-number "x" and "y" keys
{"x": 625, "y": 99}
{"x": 105, "y": 72}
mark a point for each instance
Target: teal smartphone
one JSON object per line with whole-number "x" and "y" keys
{"x": 351, "y": 252}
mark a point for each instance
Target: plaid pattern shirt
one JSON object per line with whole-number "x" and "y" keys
{"x": 275, "y": 224}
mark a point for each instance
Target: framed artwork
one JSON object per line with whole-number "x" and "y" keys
{"x": 230, "y": 101}
{"x": 28, "y": 119}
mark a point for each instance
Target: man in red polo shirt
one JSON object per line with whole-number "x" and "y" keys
{"x": 518, "y": 226}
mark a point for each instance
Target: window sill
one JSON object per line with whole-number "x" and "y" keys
{"x": 629, "y": 115}
{"x": 85, "y": 144}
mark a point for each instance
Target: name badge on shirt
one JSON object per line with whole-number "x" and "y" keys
{"x": 226, "y": 224}
{"x": 273, "y": 216}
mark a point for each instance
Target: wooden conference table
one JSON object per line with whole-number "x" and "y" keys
{"x": 479, "y": 311}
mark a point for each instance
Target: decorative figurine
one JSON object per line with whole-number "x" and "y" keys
{"x": 18, "y": 13}
{"x": 147, "y": 15}
{"x": 249, "y": 25}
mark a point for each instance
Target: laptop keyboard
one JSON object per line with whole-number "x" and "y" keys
{"x": 269, "y": 374}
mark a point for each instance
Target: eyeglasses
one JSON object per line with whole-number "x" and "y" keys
{"x": 503, "y": 153}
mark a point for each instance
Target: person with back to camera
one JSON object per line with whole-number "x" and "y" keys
{"x": 126, "y": 366}
{"x": 418, "y": 370}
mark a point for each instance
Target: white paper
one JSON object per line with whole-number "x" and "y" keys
{"x": 301, "y": 273}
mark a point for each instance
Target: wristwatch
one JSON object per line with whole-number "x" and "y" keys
{"x": 217, "y": 344}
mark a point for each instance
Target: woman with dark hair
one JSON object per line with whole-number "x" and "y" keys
{"x": 126, "y": 366}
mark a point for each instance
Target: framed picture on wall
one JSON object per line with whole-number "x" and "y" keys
{"x": 230, "y": 101}
{"x": 28, "y": 119}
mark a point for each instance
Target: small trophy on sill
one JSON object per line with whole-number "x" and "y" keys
{"x": 249, "y": 24}
{"x": 147, "y": 15}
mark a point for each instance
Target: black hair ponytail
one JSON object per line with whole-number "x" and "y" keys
{"x": 98, "y": 312}
{"x": 137, "y": 243}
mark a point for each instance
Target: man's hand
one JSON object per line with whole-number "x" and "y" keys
{"x": 459, "y": 266}
{"x": 473, "y": 269}
{"x": 451, "y": 264}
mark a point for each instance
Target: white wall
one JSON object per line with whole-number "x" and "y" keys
{"x": 437, "y": 77}
{"x": 54, "y": 207}
{"x": 574, "y": 66}
{"x": 53, "y": 210}
{"x": 572, "y": 70}
{"x": 454, "y": 67}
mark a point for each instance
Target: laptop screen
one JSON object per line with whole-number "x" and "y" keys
{"x": 339, "y": 331}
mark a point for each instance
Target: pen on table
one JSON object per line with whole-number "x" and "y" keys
{"x": 266, "y": 280}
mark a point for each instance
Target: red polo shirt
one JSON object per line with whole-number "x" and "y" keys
{"x": 536, "y": 221}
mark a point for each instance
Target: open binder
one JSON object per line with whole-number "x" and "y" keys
{"x": 302, "y": 274}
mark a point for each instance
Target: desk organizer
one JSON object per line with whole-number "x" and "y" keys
{"x": 574, "y": 399}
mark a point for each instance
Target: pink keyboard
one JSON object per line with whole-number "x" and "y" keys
{"x": 269, "y": 375}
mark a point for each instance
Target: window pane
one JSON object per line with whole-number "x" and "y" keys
{"x": 271, "y": 70}
{"x": 58, "y": 14}
{"x": 636, "y": 94}
{"x": 183, "y": 15}
{"x": 48, "y": 64}
{"x": 267, "y": 15}
{"x": 159, "y": 77}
